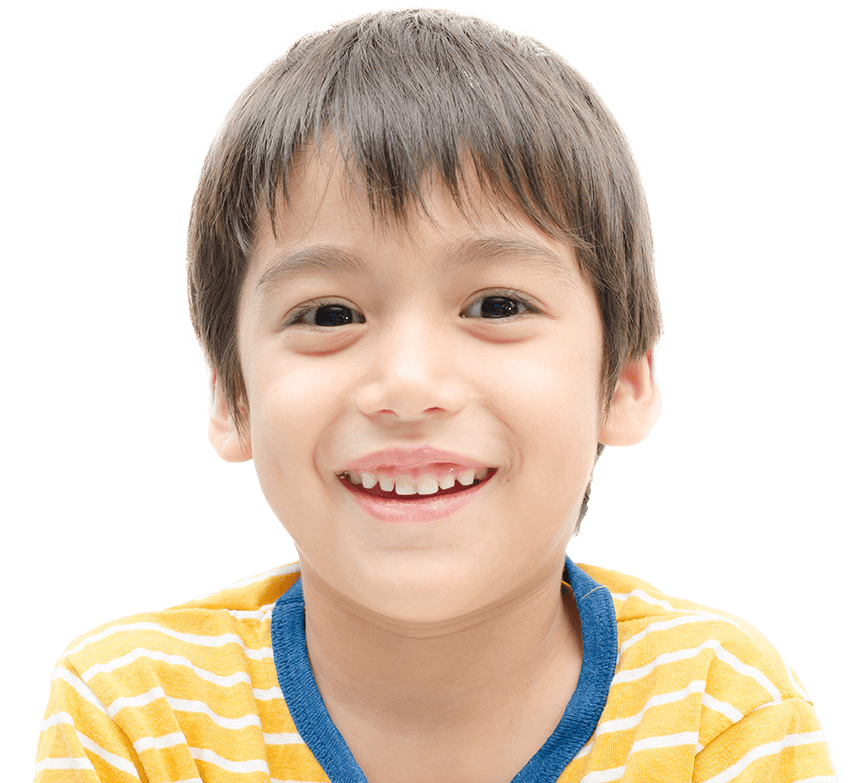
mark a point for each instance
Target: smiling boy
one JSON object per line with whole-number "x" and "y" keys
{"x": 420, "y": 267}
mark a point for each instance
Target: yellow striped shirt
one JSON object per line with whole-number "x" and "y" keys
{"x": 669, "y": 691}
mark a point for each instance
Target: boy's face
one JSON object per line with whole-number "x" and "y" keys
{"x": 368, "y": 347}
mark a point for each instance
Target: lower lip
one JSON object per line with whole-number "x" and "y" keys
{"x": 426, "y": 509}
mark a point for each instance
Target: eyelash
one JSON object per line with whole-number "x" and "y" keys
{"x": 514, "y": 296}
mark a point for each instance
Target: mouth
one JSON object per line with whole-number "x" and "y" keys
{"x": 416, "y": 496}
{"x": 377, "y": 492}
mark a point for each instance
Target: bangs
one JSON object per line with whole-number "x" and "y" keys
{"x": 411, "y": 94}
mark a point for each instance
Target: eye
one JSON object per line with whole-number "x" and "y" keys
{"x": 329, "y": 314}
{"x": 498, "y": 305}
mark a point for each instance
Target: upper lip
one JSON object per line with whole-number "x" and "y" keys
{"x": 408, "y": 459}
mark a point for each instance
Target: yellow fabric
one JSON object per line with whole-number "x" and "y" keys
{"x": 191, "y": 694}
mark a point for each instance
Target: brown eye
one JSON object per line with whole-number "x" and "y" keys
{"x": 328, "y": 316}
{"x": 334, "y": 314}
{"x": 496, "y": 306}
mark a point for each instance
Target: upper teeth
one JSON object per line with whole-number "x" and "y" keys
{"x": 425, "y": 485}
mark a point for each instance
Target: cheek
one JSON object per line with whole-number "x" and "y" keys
{"x": 560, "y": 389}
{"x": 560, "y": 420}
{"x": 290, "y": 410}
{"x": 275, "y": 461}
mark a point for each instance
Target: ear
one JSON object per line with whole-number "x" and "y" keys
{"x": 635, "y": 405}
{"x": 224, "y": 435}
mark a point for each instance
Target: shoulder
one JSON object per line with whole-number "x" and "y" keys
{"x": 231, "y": 623}
{"x": 700, "y": 689}
{"x": 655, "y": 628}
{"x": 157, "y": 687}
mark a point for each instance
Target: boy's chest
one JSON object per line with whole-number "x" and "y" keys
{"x": 491, "y": 751}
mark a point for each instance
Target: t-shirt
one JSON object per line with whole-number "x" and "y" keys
{"x": 221, "y": 689}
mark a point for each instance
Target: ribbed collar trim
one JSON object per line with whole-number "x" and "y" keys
{"x": 599, "y": 658}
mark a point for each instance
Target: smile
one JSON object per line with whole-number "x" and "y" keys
{"x": 440, "y": 482}
{"x": 415, "y": 499}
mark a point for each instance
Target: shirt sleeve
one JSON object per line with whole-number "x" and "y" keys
{"x": 80, "y": 743}
{"x": 782, "y": 741}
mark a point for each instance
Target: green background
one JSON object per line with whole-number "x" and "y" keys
{"x": 741, "y": 498}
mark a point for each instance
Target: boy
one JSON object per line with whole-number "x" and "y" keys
{"x": 420, "y": 267}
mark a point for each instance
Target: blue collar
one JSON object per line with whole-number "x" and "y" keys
{"x": 599, "y": 656}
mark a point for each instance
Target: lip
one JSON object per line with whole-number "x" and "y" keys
{"x": 419, "y": 509}
{"x": 410, "y": 459}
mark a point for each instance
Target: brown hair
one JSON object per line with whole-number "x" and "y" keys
{"x": 404, "y": 94}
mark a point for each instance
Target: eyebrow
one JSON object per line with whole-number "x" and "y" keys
{"x": 484, "y": 252}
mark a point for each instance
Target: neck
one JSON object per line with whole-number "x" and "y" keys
{"x": 516, "y": 662}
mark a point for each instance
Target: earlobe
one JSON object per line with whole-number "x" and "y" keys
{"x": 225, "y": 437}
{"x": 635, "y": 405}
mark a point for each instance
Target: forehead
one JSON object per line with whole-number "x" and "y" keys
{"x": 328, "y": 224}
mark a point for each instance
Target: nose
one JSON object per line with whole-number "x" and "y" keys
{"x": 413, "y": 374}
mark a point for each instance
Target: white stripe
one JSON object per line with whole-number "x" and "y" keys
{"x": 666, "y": 605}
{"x": 631, "y": 675}
{"x": 291, "y": 568}
{"x": 746, "y": 669}
{"x": 68, "y": 763}
{"x": 182, "y": 705}
{"x": 157, "y": 743}
{"x": 254, "y": 765}
{"x": 121, "y": 702}
{"x": 115, "y": 761}
{"x": 792, "y": 676}
{"x": 272, "y": 573}
{"x": 262, "y": 614}
{"x": 603, "y": 775}
{"x": 189, "y": 705}
{"x": 57, "y": 717}
{"x": 584, "y": 750}
{"x": 665, "y": 741}
{"x": 186, "y": 705}
{"x": 723, "y": 707}
{"x": 768, "y": 749}
{"x": 764, "y": 706}
{"x": 643, "y": 596}
{"x": 202, "y": 641}
{"x": 61, "y": 673}
{"x": 697, "y": 686}
{"x": 177, "y": 660}
{"x": 267, "y": 694}
{"x": 622, "y": 724}
{"x": 290, "y": 738}
{"x": 688, "y": 617}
